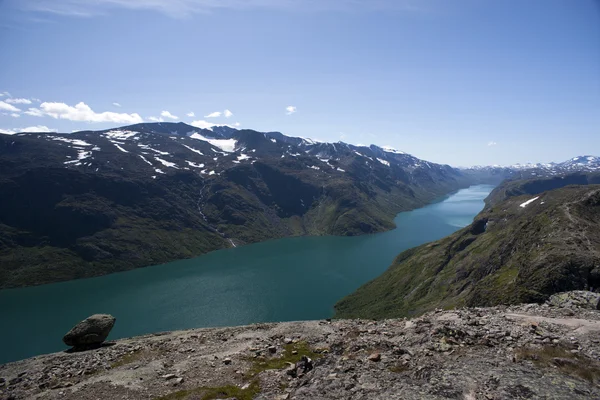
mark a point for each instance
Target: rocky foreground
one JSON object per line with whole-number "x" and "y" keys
{"x": 518, "y": 352}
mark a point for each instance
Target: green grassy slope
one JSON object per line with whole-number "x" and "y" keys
{"x": 509, "y": 254}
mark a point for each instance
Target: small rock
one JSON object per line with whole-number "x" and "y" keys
{"x": 287, "y": 340}
{"x": 227, "y": 361}
{"x": 375, "y": 357}
{"x": 169, "y": 376}
{"x": 305, "y": 364}
{"x": 178, "y": 381}
{"x": 14, "y": 381}
{"x": 563, "y": 362}
{"x": 272, "y": 349}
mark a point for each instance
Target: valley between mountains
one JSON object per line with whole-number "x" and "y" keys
{"x": 91, "y": 203}
{"x": 95, "y": 202}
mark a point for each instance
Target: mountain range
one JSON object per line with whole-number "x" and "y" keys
{"x": 94, "y": 202}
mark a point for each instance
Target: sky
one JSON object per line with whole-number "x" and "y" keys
{"x": 463, "y": 82}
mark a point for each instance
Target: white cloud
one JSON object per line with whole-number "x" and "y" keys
{"x": 83, "y": 112}
{"x": 35, "y": 112}
{"x": 227, "y": 113}
{"x": 202, "y": 124}
{"x": 191, "y": 114}
{"x": 2, "y": 94}
{"x": 18, "y": 101}
{"x": 15, "y": 115}
{"x": 37, "y": 128}
{"x": 155, "y": 119}
{"x": 116, "y": 104}
{"x": 167, "y": 114}
{"x": 492, "y": 144}
{"x": 289, "y": 110}
{"x": 213, "y": 115}
{"x": 8, "y": 107}
{"x": 186, "y": 8}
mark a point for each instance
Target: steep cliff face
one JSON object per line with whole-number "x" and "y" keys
{"x": 522, "y": 249}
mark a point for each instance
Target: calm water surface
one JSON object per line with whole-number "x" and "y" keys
{"x": 279, "y": 280}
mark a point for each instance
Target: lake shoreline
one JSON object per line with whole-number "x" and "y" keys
{"x": 257, "y": 283}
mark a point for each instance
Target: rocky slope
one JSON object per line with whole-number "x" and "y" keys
{"x": 522, "y": 249}
{"x": 527, "y": 352}
{"x": 91, "y": 203}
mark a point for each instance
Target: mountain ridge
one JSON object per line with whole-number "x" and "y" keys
{"x": 90, "y": 203}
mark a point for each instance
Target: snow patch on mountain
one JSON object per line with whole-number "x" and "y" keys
{"x": 145, "y": 160}
{"x": 227, "y": 145}
{"x": 75, "y": 142}
{"x": 166, "y": 163}
{"x": 120, "y": 135}
{"x": 119, "y": 147}
{"x": 146, "y": 147}
{"x": 192, "y": 149}
{"x": 192, "y": 164}
{"x": 523, "y": 205}
{"x": 81, "y": 155}
{"x": 389, "y": 149}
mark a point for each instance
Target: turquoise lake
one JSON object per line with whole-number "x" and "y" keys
{"x": 280, "y": 280}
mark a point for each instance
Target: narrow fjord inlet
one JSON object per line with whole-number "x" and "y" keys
{"x": 280, "y": 280}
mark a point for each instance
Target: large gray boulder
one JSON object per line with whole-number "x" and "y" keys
{"x": 90, "y": 332}
{"x": 576, "y": 299}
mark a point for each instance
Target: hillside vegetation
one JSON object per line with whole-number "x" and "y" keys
{"x": 510, "y": 254}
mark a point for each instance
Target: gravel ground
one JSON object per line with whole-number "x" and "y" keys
{"x": 520, "y": 352}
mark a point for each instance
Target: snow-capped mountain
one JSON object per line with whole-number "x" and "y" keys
{"x": 520, "y": 171}
{"x": 93, "y": 202}
{"x": 581, "y": 163}
{"x": 161, "y": 148}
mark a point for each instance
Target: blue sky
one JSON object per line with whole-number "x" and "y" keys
{"x": 462, "y": 82}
